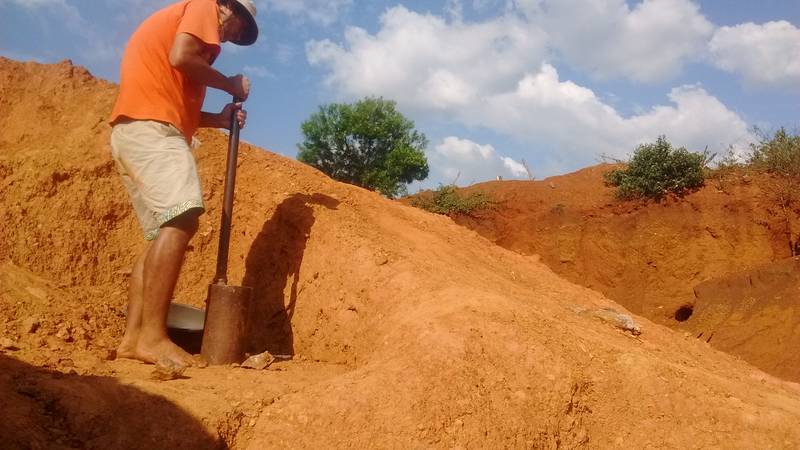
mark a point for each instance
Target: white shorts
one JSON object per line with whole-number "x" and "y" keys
{"x": 158, "y": 170}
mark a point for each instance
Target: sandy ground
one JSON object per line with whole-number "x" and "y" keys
{"x": 407, "y": 329}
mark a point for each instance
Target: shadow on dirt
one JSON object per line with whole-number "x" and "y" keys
{"x": 272, "y": 264}
{"x": 49, "y": 409}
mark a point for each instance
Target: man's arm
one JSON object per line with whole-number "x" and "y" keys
{"x": 223, "y": 118}
{"x": 213, "y": 120}
{"x": 189, "y": 56}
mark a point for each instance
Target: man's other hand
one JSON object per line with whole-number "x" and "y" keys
{"x": 230, "y": 108}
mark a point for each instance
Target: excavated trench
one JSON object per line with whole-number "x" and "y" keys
{"x": 667, "y": 261}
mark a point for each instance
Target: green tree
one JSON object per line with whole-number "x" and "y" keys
{"x": 368, "y": 144}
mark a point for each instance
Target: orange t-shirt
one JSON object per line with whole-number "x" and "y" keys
{"x": 150, "y": 88}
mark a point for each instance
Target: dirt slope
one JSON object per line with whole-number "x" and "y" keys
{"x": 754, "y": 314}
{"x": 650, "y": 257}
{"x": 647, "y": 256}
{"x": 407, "y": 329}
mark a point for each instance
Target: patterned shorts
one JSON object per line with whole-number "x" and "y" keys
{"x": 158, "y": 170}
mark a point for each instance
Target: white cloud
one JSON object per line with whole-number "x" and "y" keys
{"x": 323, "y": 12}
{"x": 464, "y": 150}
{"x": 650, "y": 42}
{"x": 577, "y": 125}
{"x": 428, "y": 62}
{"x": 516, "y": 169}
{"x": 467, "y": 162}
{"x": 767, "y": 54}
{"x": 492, "y": 75}
{"x": 696, "y": 120}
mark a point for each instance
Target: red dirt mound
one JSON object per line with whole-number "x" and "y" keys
{"x": 650, "y": 257}
{"x": 407, "y": 329}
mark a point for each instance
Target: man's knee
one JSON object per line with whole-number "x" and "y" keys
{"x": 187, "y": 222}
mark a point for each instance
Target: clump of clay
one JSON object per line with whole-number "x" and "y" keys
{"x": 167, "y": 369}
{"x": 613, "y": 317}
{"x": 259, "y": 362}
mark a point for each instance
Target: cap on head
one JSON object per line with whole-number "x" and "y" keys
{"x": 247, "y": 10}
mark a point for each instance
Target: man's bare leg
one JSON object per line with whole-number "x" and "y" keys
{"x": 127, "y": 348}
{"x": 160, "y": 270}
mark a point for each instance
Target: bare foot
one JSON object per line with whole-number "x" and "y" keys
{"x": 151, "y": 352}
{"x": 126, "y": 348}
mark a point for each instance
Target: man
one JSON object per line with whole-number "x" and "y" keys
{"x": 163, "y": 78}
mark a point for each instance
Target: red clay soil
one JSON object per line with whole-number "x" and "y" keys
{"x": 407, "y": 329}
{"x": 753, "y": 314}
{"x": 651, "y": 256}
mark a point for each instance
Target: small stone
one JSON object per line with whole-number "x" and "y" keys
{"x": 167, "y": 369}
{"x": 252, "y": 422}
{"x": 259, "y": 362}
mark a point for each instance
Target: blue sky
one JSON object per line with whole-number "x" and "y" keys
{"x": 555, "y": 83}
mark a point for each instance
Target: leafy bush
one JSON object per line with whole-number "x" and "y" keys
{"x": 657, "y": 169}
{"x": 779, "y": 153}
{"x": 446, "y": 200}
